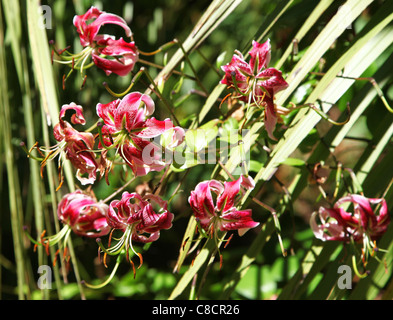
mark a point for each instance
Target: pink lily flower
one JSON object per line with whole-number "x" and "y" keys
{"x": 74, "y": 145}
{"x": 138, "y": 215}
{"x": 140, "y": 219}
{"x": 222, "y": 213}
{"x": 83, "y": 214}
{"x": 109, "y": 54}
{"x": 128, "y": 127}
{"x": 80, "y": 213}
{"x": 362, "y": 223}
{"x": 254, "y": 82}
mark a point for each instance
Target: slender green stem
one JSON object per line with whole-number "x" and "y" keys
{"x": 158, "y": 93}
{"x": 74, "y": 260}
{"x": 107, "y": 281}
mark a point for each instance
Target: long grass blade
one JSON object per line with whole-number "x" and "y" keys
{"x": 12, "y": 175}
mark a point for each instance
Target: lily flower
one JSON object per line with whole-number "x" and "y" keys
{"x": 74, "y": 145}
{"x": 89, "y": 24}
{"x": 139, "y": 218}
{"x": 128, "y": 127}
{"x": 83, "y": 214}
{"x": 221, "y": 213}
{"x": 108, "y": 53}
{"x": 340, "y": 225}
{"x": 255, "y": 83}
{"x": 365, "y": 223}
{"x": 80, "y": 213}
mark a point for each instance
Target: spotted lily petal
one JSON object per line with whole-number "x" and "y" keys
{"x": 136, "y": 212}
{"x": 224, "y": 214}
{"x": 237, "y": 220}
{"x": 260, "y": 53}
{"x": 227, "y": 198}
{"x": 362, "y": 221}
{"x": 271, "y": 79}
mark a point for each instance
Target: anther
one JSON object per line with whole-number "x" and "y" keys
{"x": 185, "y": 242}
{"x": 133, "y": 268}
{"x": 84, "y": 82}
{"x": 229, "y": 239}
{"x": 140, "y": 260}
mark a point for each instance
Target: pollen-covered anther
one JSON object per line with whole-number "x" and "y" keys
{"x": 55, "y": 258}
{"x": 140, "y": 260}
{"x": 133, "y": 268}
{"x": 227, "y": 241}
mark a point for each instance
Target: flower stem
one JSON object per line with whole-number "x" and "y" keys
{"x": 103, "y": 284}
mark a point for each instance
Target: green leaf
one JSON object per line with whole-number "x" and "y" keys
{"x": 293, "y": 162}
{"x": 208, "y": 251}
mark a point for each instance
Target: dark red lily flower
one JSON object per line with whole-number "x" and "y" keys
{"x": 80, "y": 213}
{"x": 108, "y": 53}
{"x": 254, "y": 82}
{"x": 74, "y": 145}
{"x": 221, "y": 214}
{"x": 363, "y": 222}
{"x": 141, "y": 218}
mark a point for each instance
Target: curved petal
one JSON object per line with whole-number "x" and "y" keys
{"x": 383, "y": 218}
{"x": 83, "y": 214}
{"x": 117, "y": 56}
{"x": 327, "y": 231}
{"x": 139, "y": 237}
{"x": 201, "y": 200}
{"x": 112, "y": 47}
{"x": 154, "y": 128}
{"x": 58, "y": 130}
{"x": 112, "y": 216}
{"x": 237, "y": 68}
{"x": 270, "y": 119}
{"x": 272, "y": 80}
{"x": 88, "y": 32}
{"x": 107, "y": 112}
{"x": 362, "y": 209}
{"x": 237, "y": 220}
{"x": 109, "y": 18}
{"x": 93, "y": 223}
{"x": 90, "y": 171}
{"x": 77, "y": 117}
{"x": 142, "y": 157}
{"x": 86, "y": 35}
{"x": 260, "y": 52}
{"x": 121, "y": 66}
{"x": 124, "y": 212}
{"x": 153, "y": 222}
{"x": 226, "y": 200}
{"x": 173, "y": 137}
{"x": 248, "y": 182}
{"x": 132, "y": 111}
{"x": 83, "y": 140}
